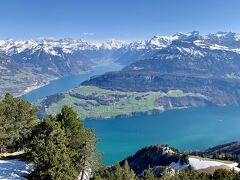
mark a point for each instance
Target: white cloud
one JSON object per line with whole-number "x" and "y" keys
{"x": 88, "y": 34}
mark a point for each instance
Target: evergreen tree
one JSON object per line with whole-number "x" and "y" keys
{"x": 127, "y": 172}
{"x": 97, "y": 177}
{"x": 62, "y": 148}
{"x": 4, "y": 134}
{"x": 118, "y": 172}
{"x": 149, "y": 174}
{"x": 17, "y": 118}
{"x": 223, "y": 174}
{"x": 7, "y": 119}
{"x": 187, "y": 175}
{"x": 103, "y": 174}
{"x": 82, "y": 142}
{"x": 49, "y": 152}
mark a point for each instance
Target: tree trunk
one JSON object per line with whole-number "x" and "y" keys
{"x": 83, "y": 170}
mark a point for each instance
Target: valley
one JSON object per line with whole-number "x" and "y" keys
{"x": 119, "y": 90}
{"x": 195, "y": 76}
{"x": 26, "y": 65}
{"x": 35, "y": 62}
{"x": 66, "y": 83}
{"x": 23, "y": 82}
{"x": 199, "y": 70}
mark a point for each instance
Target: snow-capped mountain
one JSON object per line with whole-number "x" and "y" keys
{"x": 55, "y": 58}
{"x": 188, "y": 62}
{"x": 113, "y": 44}
{"x": 57, "y": 47}
{"x": 188, "y": 44}
{"x": 50, "y": 46}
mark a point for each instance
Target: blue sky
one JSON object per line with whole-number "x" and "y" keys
{"x": 120, "y": 19}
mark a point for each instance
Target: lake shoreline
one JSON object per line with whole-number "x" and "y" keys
{"x": 185, "y": 129}
{"x": 53, "y": 86}
{"x": 43, "y": 84}
{"x": 137, "y": 114}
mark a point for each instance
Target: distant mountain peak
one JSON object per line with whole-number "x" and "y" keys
{"x": 181, "y": 34}
{"x": 219, "y": 40}
{"x": 113, "y": 44}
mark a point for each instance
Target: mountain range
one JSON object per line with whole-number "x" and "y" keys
{"x": 28, "y": 64}
{"x": 118, "y": 50}
{"x": 183, "y": 70}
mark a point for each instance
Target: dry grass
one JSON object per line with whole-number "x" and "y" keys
{"x": 211, "y": 170}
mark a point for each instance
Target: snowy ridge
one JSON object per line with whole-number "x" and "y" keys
{"x": 50, "y": 46}
{"x": 113, "y": 44}
{"x": 225, "y": 41}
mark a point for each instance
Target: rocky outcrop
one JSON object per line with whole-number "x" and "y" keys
{"x": 158, "y": 157}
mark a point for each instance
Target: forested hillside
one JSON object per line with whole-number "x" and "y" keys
{"x": 62, "y": 148}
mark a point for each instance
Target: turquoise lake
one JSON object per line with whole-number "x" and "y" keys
{"x": 193, "y": 128}
{"x": 66, "y": 83}
{"x": 184, "y": 129}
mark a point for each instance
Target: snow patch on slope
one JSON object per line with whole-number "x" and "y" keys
{"x": 178, "y": 165}
{"x": 199, "y": 163}
{"x": 14, "y": 169}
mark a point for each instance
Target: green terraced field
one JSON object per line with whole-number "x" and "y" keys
{"x": 93, "y": 102}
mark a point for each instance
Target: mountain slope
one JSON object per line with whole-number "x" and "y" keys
{"x": 183, "y": 65}
{"x": 166, "y": 161}
{"x": 229, "y": 148}
{"x": 180, "y": 55}
{"x": 207, "y": 67}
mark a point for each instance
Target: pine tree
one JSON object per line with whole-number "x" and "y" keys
{"x": 49, "y": 152}
{"x": 149, "y": 174}
{"x": 82, "y": 142}
{"x": 17, "y": 118}
{"x": 26, "y": 116}
{"x": 97, "y": 177}
{"x": 62, "y": 148}
{"x": 7, "y": 119}
{"x": 4, "y": 134}
{"x": 118, "y": 172}
{"x": 127, "y": 172}
{"x": 103, "y": 174}
{"x": 222, "y": 174}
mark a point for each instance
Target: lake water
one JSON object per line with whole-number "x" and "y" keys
{"x": 66, "y": 83}
{"x": 193, "y": 128}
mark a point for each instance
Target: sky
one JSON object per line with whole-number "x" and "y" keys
{"x": 115, "y": 19}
